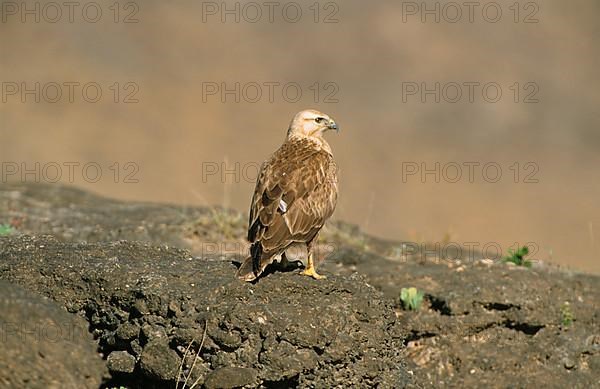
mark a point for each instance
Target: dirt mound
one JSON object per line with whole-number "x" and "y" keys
{"x": 43, "y": 346}
{"x": 115, "y": 264}
{"x": 487, "y": 323}
{"x": 147, "y": 304}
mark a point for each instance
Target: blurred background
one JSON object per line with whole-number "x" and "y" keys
{"x": 153, "y": 101}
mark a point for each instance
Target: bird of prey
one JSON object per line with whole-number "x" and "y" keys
{"x": 296, "y": 192}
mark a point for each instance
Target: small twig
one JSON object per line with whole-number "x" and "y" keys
{"x": 196, "y": 357}
{"x": 180, "y": 372}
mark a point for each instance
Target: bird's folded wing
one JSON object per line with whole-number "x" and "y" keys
{"x": 292, "y": 199}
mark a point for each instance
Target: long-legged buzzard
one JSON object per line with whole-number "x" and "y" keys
{"x": 296, "y": 192}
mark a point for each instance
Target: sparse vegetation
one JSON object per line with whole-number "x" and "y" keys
{"x": 6, "y": 229}
{"x": 566, "y": 314}
{"x": 227, "y": 222}
{"x": 518, "y": 257}
{"x": 344, "y": 234}
{"x": 221, "y": 223}
{"x": 411, "y": 298}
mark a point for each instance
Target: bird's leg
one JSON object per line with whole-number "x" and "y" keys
{"x": 310, "y": 268}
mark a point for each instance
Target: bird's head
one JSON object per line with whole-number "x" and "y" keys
{"x": 312, "y": 124}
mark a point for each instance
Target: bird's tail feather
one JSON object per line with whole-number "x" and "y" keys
{"x": 246, "y": 271}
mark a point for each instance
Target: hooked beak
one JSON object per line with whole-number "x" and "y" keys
{"x": 333, "y": 126}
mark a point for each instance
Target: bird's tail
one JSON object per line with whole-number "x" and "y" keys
{"x": 246, "y": 271}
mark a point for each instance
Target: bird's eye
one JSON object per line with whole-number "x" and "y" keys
{"x": 319, "y": 120}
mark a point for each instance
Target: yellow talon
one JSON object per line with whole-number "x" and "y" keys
{"x": 312, "y": 273}
{"x": 310, "y": 270}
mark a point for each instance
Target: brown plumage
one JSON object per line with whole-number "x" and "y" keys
{"x": 296, "y": 192}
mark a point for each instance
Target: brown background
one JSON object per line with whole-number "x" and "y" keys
{"x": 171, "y": 132}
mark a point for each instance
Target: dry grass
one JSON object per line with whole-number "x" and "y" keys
{"x": 185, "y": 354}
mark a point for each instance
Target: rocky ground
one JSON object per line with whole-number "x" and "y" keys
{"x": 101, "y": 293}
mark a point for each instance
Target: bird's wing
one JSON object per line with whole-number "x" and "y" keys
{"x": 295, "y": 194}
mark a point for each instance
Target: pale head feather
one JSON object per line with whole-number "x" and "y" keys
{"x": 312, "y": 124}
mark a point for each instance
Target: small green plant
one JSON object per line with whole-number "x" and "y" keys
{"x": 411, "y": 298}
{"x": 518, "y": 257}
{"x": 6, "y": 229}
{"x": 566, "y": 314}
